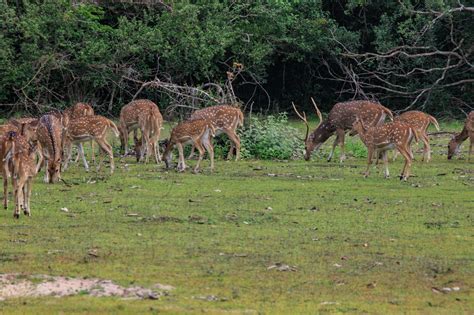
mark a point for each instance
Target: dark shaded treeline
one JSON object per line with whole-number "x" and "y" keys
{"x": 53, "y": 53}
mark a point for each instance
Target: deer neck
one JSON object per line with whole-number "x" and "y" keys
{"x": 462, "y": 136}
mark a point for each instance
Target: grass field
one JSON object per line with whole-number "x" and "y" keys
{"x": 357, "y": 245}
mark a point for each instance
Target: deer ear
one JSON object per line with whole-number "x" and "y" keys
{"x": 34, "y": 123}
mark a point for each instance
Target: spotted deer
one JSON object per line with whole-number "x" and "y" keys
{"x": 50, "y": 137}
{"x": 381, "y": 139}
{"x": 150, "y": 123}
{"x": 226, "y": 119}
{"x": 78, "y": 110}
{"x": 420, "y": 122}
{"x": 129, "y": 119}
{"x": 88, "y": 128}
{"x": 198, "y": 132}
{"x": 339, "y": 121}
{"x": 467, "y": 132}
{"x": 21, "y": 162}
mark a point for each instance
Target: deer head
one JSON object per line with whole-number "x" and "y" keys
{"x": 453, "y": 147}
{"x": 315, "y": 139}
{"x": 358, "y": 126}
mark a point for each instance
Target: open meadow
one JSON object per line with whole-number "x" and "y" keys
{"x": 253, "y": 237}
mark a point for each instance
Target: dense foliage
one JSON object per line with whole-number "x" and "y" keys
{"x": 54, "y": 52}
{"x": 270, "y": 138}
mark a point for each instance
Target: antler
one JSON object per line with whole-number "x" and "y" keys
{"x": 303, "y": 117}
{"x": 317, "y": 112}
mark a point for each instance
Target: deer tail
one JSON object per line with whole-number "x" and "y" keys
{"x": 434, "y": 122}
{"x": 152, "y": 122}
{"x": 241, "y": 118}
{"x": 114, "y": 128}
{"x": 388, "y": 112}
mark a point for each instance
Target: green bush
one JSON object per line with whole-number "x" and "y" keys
{"x": 270, "y": 138}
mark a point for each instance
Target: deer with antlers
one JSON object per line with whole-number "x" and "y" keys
{"x": 226, "y": 119}
{"x": 467, "y": 132}
{"x": 135, "y": 115}
{"x": 381, "y": 139}
{"x": 88, "y": 128}
{"x": 50, "y": 136}
{"x": 20, "y": 160}
{"x": 199, "y": 132}
{"x": 340, "y": 120}
{"x": 420, "y": 122}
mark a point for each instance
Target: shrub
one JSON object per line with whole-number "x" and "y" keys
{"x": 270, "y": 138}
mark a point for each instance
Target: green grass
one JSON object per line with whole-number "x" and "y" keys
{"x": 212, "y": 234}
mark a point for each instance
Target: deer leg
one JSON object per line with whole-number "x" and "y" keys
{"x": 406, "y": 168}
{"x": 28, "y": 195}
{"x": 193, "y": 148}
{"x": 339, "y": 137}
{"x": 201, "y": 154}
{"x": 370, "y": 153}
{"x": 181, "y": 164}
{"x": 156, "y": 152}
{"x": 46, "y": 171}
{"x": 125, "y": 140}
{"x": 77, "y": 157}
{"x": 395, "y": 155}
{"x": 333, "y": 147}
{"x": 426, "y": 148}
{"x": 471, "y": 145}
{"x": 5, "y": 189}
{"x": 107, "y": 148}
{"x": 207, "y": 142}
{"x": 80, "y": 148}
{"x": 385, "y": 162}
{"x": 235, "y": 139}
{"x": 18, "y": 186}
{"x": 155, "y": 141}
{"x": 92, "y": 152}
{"x": 68, "y": 154}
{"x": 341, "y": 143}
{"x": 40, "y": 161}
{"x": 146, "y": 146}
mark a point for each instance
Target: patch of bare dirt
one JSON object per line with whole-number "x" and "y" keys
{"x": 16, "y": 285}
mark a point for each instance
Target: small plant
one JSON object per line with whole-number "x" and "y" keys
{"x": 356, "y": 148}
{"x": 270, "y": 138}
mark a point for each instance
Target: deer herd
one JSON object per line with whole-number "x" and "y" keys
{"x": 29, "y": 144}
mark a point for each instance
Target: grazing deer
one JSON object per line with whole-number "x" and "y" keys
{"x": 50, "y": 136}
{"x": 21, "y": 161}
{"x": 467, "y": 132}
{"x": 198, "y": 132}
{"x": 226, "y": 119}
{"x": 389, "y": 136}
{"x": 420, "y": 122}
{"x": 88, "y": 128}
{"x": 340, "y": 119}
{"x": 129, "y": 120}
{"x": 150, "y": 123}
